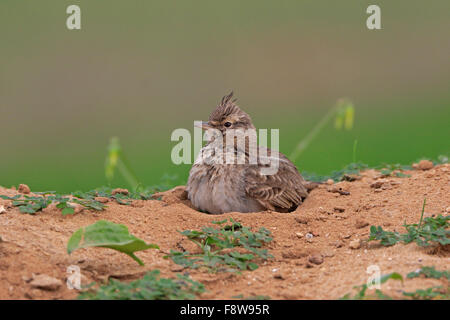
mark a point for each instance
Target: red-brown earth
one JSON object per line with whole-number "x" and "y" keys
{"x": 326, "y": 266}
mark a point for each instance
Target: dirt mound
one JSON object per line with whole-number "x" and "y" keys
{"x": 319, "y": 250}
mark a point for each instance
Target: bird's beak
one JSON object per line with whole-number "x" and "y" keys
{"x": 203, "y": 124}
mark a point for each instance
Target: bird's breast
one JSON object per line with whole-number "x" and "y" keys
{"x": 219, "y": 188}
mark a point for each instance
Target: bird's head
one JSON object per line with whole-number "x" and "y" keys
{"x": 228, "y": 116}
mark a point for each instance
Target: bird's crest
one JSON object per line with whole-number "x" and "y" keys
{"x": 226, "y": 107}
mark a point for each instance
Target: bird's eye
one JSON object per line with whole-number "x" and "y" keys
{"x": 227, "y": 124}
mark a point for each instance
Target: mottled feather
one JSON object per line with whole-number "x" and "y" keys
{"x": 217, "y": 188}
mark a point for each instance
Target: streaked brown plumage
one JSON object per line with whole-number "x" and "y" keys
{"x": 218, "y": 188}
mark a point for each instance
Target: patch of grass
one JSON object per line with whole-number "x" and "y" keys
{"x": 429, "y": 272}
{"x": 120, "y": 198}
{"x": 429, "y": 231}
{"x": 386, "y": 238}
{"x": 436, "y": 292}
{"x": 354, "y": 169}
{"x": 28, "y": 204}
{"x": 34, "y": 204}
{"x": 441, "y": 159}
{"x": 362, "y": 289}
{"x": 348, "y": 170}
{"x": 216, "y": 246}
{"x": 433, "y": 293}
{"x": 393, "y": 169}
{"x": 150, "y": 287}
{"x": 107, "y": 234}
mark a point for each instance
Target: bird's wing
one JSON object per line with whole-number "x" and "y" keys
{"x": 284, "y": 189}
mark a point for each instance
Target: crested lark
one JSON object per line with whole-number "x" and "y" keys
{"x": 218, "y": 186}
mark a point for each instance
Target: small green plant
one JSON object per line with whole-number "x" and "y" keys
{"x": 107, "y": 234}
{"x": 361, "y": 295}
{"x": 429, "y": 272}
{"x": 116, "y": 160}
{"x": 433, "y": 293}
{"x": 352, "y": 169}
{"x": 150, "y": 287}
{"x": 436, "y": 292}
{"x": 394, "y": 170}
{"x": 386, "y": 238}
{"x": 441, "y": 159}
{"x": 429, "y": 231}
{"x": 216, "y": 245}
{"x": 33, "y": 204}
{"x": 120, "y": 198}
{"x": 28, "y": 204}
{"x": 343, "y": 113}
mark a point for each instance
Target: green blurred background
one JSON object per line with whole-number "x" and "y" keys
{"x": 139, "y": 69}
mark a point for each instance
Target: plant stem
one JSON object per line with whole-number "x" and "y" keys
{"x": 423, "y": 210}
{"x": 304, "y": 143}
{"x": 127, "y": 174}
{"x": 355, "y": 144}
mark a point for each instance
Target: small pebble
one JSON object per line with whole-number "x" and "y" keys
{"x": 328, "y": 253}
{"x": 101, "y": 199}
{"x": 77, "y": 208}
{"x": 425, "y": 165}
{"x": 361, "y": 223}
{"x": 355, "y": 244}
{"x": 279, "y": 276}
{"x": 45, "y": 282}
{"x": 302, "y": 220}
{"x": 121, "y": 191}
{"x": 316, "y": 259}
{"x": 377, "y": 184}
{"x": 338, "y": 244}
{"x": 23, "y": 188}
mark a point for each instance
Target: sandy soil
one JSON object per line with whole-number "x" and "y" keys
{"x": 36, "y": 244}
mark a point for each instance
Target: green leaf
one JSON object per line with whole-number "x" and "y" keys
{"x": 393, "y": 276}
{"x": 150, "y": 287}
{"x": 107, "y": 234}
{"x": 429, "y": 272}
{"x": 252, "y": 266}
{"x": 213, "y": 241}
{"x": 27, "y": 209}
{"x": 74, "y": 241}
